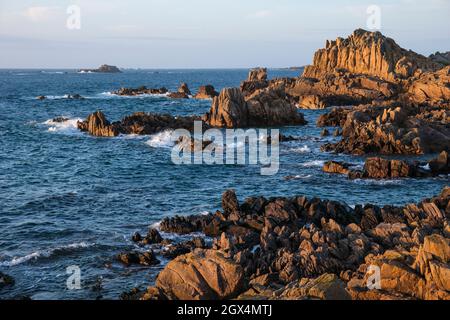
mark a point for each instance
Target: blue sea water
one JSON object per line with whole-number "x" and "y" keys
{"x": 70, "y": 199}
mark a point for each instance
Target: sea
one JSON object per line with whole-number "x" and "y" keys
{"x": 69, "y": 200}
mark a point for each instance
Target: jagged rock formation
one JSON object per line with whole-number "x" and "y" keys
{"x": 264, "y": 108}
{"x": 103, "y": 69}
{"x": 300, "y": 248}
{"x": 139, "y": 91}
{"x": 139, "y": 123}
{"x": 432, "y": 88}
{"x": 206, "y": 92}
{"x": 379, "y": 168}
{"x": 443, "y": 58}
{"x": 311, "y": 102}
{"x": 369, "y": 53}
{"x": 257, "y": 79}
{"x": 390, "y": 128}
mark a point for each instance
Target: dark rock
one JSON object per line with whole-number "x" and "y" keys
{"x": 143, "y": 258}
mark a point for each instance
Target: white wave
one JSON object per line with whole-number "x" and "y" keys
{"x": 314, "y": 163}
{"x": 298, "y": 177}
{"x": 161, "y": 140}
{"x": 83, "y": 71}
{"x": 53, "y": 72}
{"x": 377, "y": 182}
{"x": 69, "y": 127}
{"x": 109, "y": 94}
{"x": 426, "y": 167}
{"x": 304, "y": 149}
{"x": 44, "y": 253}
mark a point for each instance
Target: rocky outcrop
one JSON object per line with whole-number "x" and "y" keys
{"x": 391, "y": 128}
{"x": 371, "y": 54}
{"x": 257, "y": 79}
{"x": 300, "y": 248}
{"x": 311, "y": 102}
{"x": 201, "y": 275}
{"x": 379, "y": 168}
{"x": 206, "y": 92}
{"x": 102, "y": 69}
{"x": 139, "y": 123}
{"x": 142, "y": 258}
{"x": 139, "y": 91}
{"x": 432, "y": 88}
{"x": 264, "y": 108}
{"x": 443, "y": 58}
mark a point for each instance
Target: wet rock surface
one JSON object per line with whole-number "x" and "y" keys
{"x": 300, "y": 248}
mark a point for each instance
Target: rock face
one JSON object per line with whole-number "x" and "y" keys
{"x": 311, "y": 102}
{"x": 369, "y": 53}
{"x": 392, "y": 128}
{"x": 379, "y": 168}
{"x": 257, "y": 79}
{"x": 443, "y": 58}
{"x": 103, "y": 69}
{"x": 300, "y": 248}
{"x": 139, "y": 123}
{"x": 206, "y": 92}
{"x": 5, "y": 280}
{"x": 431, "y": 87}
{"x": 201, "y": 275}
{"x": 264, "y": 108}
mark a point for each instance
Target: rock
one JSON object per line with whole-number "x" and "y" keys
{"x": 174, "y": 250}
{"x": 138, "y": 123}
{"x": 440, "y": 165}
{"x": 178, "y": 95}
{"x": 139, "y": 91}
{"x": 136, "y": 237}
{"x": 257, "y": 79}
{"x": 368, "y": 53}
{"x": 325, "y": 133}
{"x": 431, "y": 87}
{"x": 60, "y": 119}
{"x": 6, "y": 280}
{"x": 311, "y": 102}
{"x": 230, "y": 204}
{"x": 201, "y": 275}
{"x": 102, "y": 69}
{"x": 143, "y": 258}
{"x": 185, "y": 225}
{"x": 183, "y": 88}
{"x": 152, "y": 237}
{"x": 336, "y": 167}
{"x": 41, "y": 97}
{"x": 335, "y": 118}
{"x": 324, "y": 287}
{"x": 258, "y": 74}
{"x": 206, "y": 92}
{"x": 262, "y": 109}
{"x": 442, "y": 58}
{"x": 96, "y": 124}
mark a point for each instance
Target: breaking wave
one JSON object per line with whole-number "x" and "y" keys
{"x": 68, "y": 127}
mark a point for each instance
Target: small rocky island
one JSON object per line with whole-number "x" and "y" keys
{"x": 102, "y": 69}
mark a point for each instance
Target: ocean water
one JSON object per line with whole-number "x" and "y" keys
{"x": 70, "y": 199}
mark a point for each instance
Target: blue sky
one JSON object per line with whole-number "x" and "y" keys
{"x": 204, "y": 34}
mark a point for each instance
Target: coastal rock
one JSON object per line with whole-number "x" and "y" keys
{"x": 183, "y": 88}
{"x": 201, "y": 275}
{"x": 96, "y": 124}
{"x": 263, "y": 108}
{"x": 443, "y": 58}
{"x": 6, "y": 280}
{"x": 206, "y": 92}
{"x": 139, "y": 91}
{"x": 311, "y": 102}
{"x": 102, "y": 69}
{"x": 324, "y": 287}
{"x": 440, "y": 165}
{"x": 41, "y": 97}
{"x": 369, "y": 53}
{"x": 138, "y": 123}
{"x": 336, "y": 167}
{"x": 257, "y": 80}
{"x": 177, "y": 95}
{"x": 174, "y": 250}
{"x": 143, "y": 258}
{"x": 389, "y": 129}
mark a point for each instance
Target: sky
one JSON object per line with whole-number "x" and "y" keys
{"x": 203, "y": 33}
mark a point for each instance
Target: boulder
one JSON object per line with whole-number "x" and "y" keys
{"x": 6, "y": 280}
{"x": 201, "y": 275}
{"x": 336, "y": 167}
{"x": 206, "y": 92}
{"x": 143, "y": 258}
{"x": 311, "y": 102}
